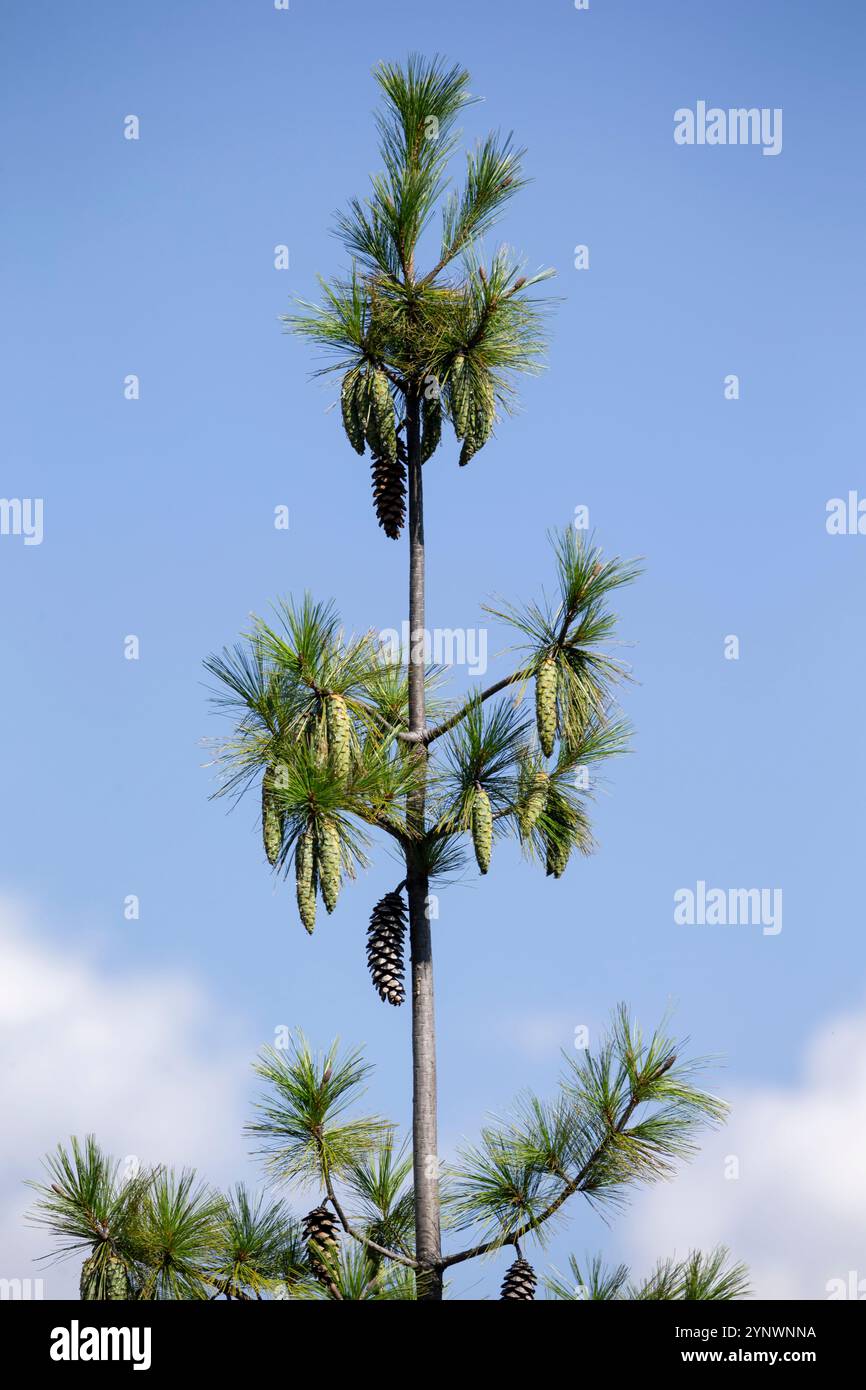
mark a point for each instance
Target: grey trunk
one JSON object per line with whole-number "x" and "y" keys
{"x": 424, "y": 1131}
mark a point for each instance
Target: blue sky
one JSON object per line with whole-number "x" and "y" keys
{"x": 155, "y": 257}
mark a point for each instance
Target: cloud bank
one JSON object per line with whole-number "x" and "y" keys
{"x": 144, "y": 1061}
{"x": 796, "y": 1212}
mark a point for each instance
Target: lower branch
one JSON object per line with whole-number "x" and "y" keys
{"x": 569, "y": 1188}
{"x": 406, "y": 1260}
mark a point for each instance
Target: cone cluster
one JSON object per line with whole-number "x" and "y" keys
{"x": 116, "y": 1279}
{"x": 368, "y": 419}
{"x": 385, "y": 937}
{"x": 321, "y": 1233}
{"x": 519, "y": 1282}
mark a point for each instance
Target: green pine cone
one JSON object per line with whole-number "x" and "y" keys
{"x": 319, "y": 738}
{"x": 534, "y": 803}
{"x": 485, "y": 409}
{"x": 350, "y": 403}
{"x": 87, "y": 1284}
{"x": 460, "y": 397}
{"x": 559, "y": 837}
{"x": 381, "y": 430}
{"x": 558, "y": 855}
{"x": 116, "y": 1278}
{"x": 115, "y": 1281}
{"x": 546, "y": 682}
{"x": 272, "y": 823}
{"x": 305, "y": 879}
{"x": 431, "y": 422}
{"x": 482, "y": 828}
{"x": 466, "y": 453}
{"x": 480, "y": 422}
{"x": 329, "y": 863}
{"x": 339, "y": 734}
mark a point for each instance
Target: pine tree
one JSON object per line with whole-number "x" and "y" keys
{"x": 366, "y": 745}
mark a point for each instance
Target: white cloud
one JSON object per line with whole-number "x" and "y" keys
{"x": 144, "y": 1061}
{"x": 797, "y": 1212}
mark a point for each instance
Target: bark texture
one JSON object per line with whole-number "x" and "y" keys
{"x": 428, "y": 1246}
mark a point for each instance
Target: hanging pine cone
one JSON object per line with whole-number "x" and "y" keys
{"x": 385, "y": 936}
{"x": 87, "y": 1284}
{"x": 389, "y": 493}
{"x": 272, "y": 821}
{"x": 534, "y": 804}
{"x": 559, "y": 838}
{"x": 321, "y": 1233}
{"x": 546, "y": 682}
{"x": 381, "y": 430}
{"x": 459, "y": 394}
{"x": 339, "y": 734}
{"x": 480, "y": 419}
{"x": 116, "y": 1278}
{"x": 519, "y": 1282}
{"x": 115, "y": 1281}
{"x": 431, "y": 421}
{"x": 482, "y": 828}
{"x": 558, "y": 855}
{"x": 305, "y": 878}
{"x": 328, "y": 863}
{"x": 351, "y": 397}
{"x": 319, "y": 738}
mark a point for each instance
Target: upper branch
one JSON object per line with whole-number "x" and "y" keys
{"x": 428, "y": 735}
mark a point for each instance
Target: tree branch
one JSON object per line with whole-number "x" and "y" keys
{"x": 364, "y": 1240}
{"x": 570, "y": 1186}
{"x": 428, "y": 735}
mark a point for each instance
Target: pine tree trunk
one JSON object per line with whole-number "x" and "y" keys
{"x": 424, "y": 1135}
